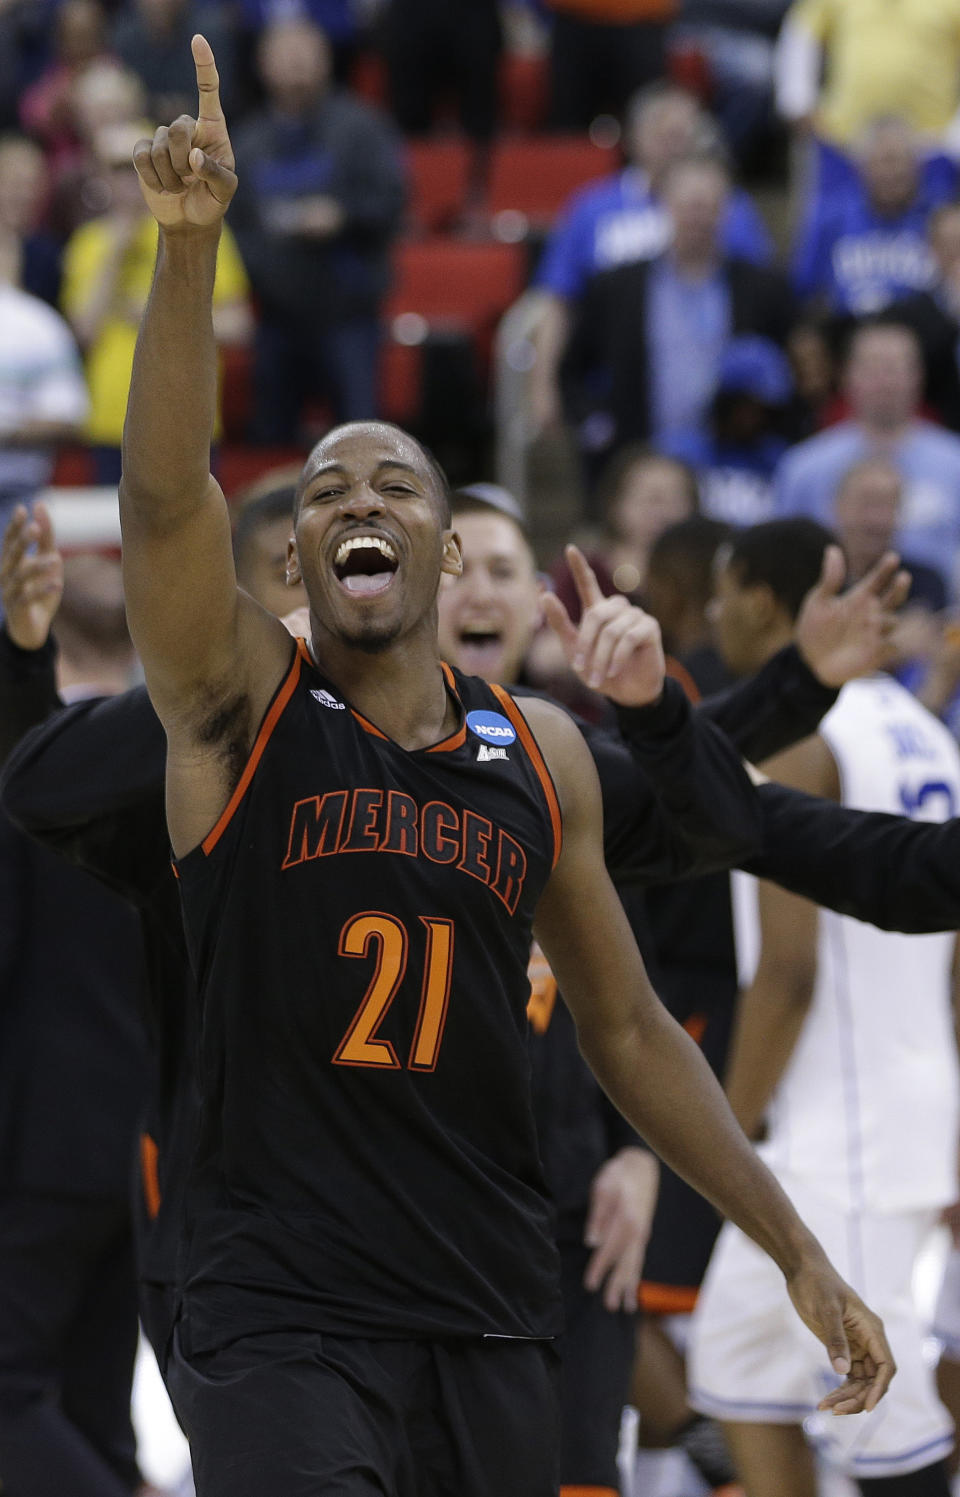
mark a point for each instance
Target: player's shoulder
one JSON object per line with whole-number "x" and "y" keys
{"x": 541, "y": 712}
{"x": 563, "y": 747}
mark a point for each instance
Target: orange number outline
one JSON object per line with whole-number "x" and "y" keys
{"x": 434, "y": 995}
{"x": 360, "y": 1045}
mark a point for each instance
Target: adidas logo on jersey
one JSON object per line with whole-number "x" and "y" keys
{"x": 485, "y": 753}
{"x": 326, "y": 700}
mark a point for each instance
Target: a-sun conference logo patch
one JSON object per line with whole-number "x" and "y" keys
{"x": 492, "y": 728}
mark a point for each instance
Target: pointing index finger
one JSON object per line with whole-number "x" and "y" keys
{"x": 208, "y": 80}
{"x": 584, "y": 577}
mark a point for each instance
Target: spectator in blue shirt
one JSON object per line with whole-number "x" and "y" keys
{"x": 866, "y": 515}
{"x": 647, "y": 349}
{"x": 736, "y": 458}
{"x": 623, "y": 219}
{"x": 865, "y": 247}
{"x": 883, "y": 380}
{"x": 934, "y": 315}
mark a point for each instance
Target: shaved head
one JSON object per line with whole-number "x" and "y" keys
{"x": 406, "y": 449}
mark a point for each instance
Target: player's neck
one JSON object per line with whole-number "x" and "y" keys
{"x": 401, "y": 689}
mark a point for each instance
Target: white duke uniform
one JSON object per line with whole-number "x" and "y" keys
{"x": 862, "y": 1134}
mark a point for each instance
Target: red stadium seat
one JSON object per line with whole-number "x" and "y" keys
{"x": 73, "y": 467}
{"x": 443, "y": 287}
{"x": 536, "y": 177}
{"x": 439, "y": 172}
{"x": 401, "y": 374}
{"x": 455, "y": 284}
{"x": 237, "y": 465}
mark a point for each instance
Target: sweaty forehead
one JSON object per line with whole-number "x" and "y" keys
{"x": 363, "y": 446}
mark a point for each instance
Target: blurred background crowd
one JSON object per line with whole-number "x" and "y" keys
{"x": 633, "y": 259}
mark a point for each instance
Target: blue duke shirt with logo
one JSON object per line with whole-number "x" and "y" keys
{"x": 359, "y": 921}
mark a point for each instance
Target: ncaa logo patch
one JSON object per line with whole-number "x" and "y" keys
{"x": 492, "y": 728}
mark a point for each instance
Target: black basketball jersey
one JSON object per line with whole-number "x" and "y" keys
{"x": 359, "y": 921}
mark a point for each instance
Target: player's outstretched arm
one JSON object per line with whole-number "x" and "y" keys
{"x": 895, "y": 873}
{"x": 656, "y": 1076}
{"x": 212, "y": 660}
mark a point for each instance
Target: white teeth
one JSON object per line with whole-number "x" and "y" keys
{"x": 364, "y": 542}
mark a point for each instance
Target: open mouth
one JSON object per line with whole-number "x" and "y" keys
{"x": 365, "y": 564}
{"x": 478, "y": 646}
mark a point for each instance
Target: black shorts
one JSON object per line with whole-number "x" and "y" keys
{"x": 304, "y": 1414}
{"x": 596, "y": 1352}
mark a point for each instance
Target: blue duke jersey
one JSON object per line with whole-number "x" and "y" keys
{"x": 359, "y": 921}
{"x": 867, "y": 1109}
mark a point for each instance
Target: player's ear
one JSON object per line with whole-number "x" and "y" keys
{"x": 293, "y": 573}
{"x": 452, "y": 563}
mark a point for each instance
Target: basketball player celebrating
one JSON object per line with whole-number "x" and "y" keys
{"x": 363, "y": 840}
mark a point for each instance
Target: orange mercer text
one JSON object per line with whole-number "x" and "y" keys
{"x": 362, "y": 820}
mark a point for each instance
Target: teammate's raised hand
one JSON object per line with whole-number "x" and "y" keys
{"x": 616, "y": 647}
{"x": 844, "y": 635}
{"x": 31, "y": 580}
{"x": 623, "y": 1197}
{"x": 186, "y": 171}
{"x": 853, "y": 1336}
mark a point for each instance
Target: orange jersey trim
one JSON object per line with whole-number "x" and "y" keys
{"x": 256, "y": 753}
{"x": 455, "y": 741}
{"x": 588, "y": 1492}
{"x": 368, "y": 726}
{"x": 666, "y": 1299}
{"x": 695, "y": 1025}
{"x": 149, "y": 1174}
{"x": 537, "y": 760}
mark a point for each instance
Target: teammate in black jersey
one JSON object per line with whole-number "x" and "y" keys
{"x": 363, "y": 840}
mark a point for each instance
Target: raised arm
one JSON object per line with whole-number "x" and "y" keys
{"x": 212, "y": 659}
{"x": 656, "y": 1076}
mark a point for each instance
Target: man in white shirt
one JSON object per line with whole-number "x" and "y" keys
{"x": 844, "y": 1048}
{"x": 43, "y": 395}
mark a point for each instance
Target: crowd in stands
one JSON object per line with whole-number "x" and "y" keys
{"x": 373, "y": 244}
{"x": 736, "y": 232}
